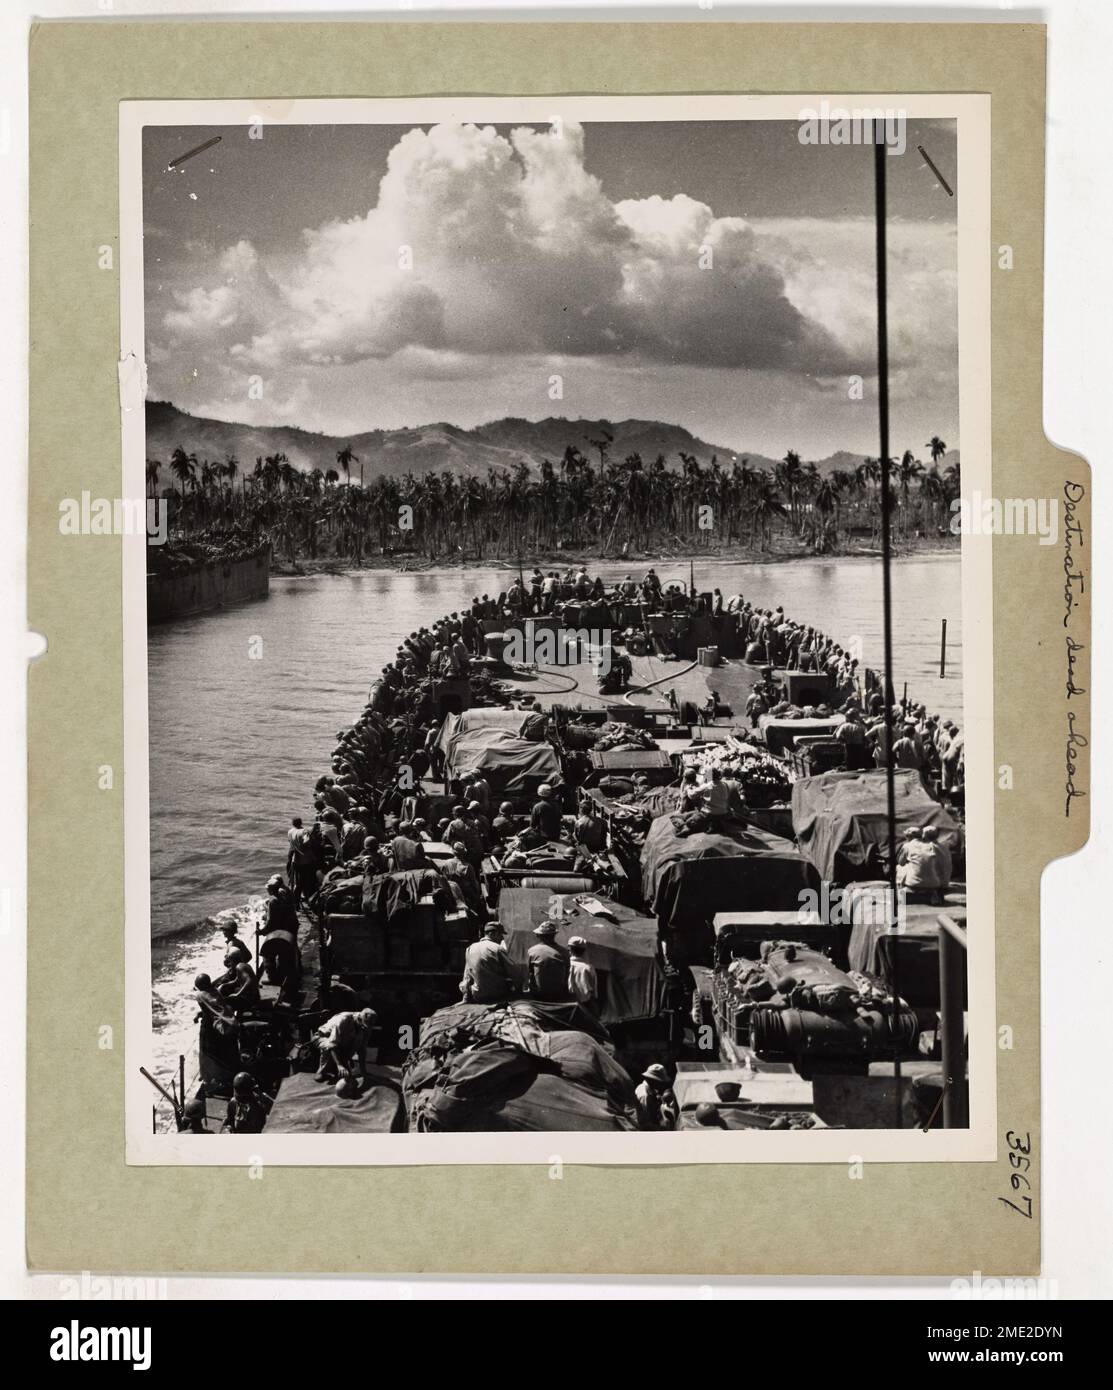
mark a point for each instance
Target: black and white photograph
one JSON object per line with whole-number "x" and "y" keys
{"x": 559, "y": 631}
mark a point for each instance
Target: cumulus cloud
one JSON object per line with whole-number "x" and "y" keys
{"x": 485, "y": 244}
{"x": 829, "y": 274}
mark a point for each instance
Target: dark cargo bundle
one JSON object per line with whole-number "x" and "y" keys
{"x": 841, "y": 822}
{"x": 516, "y": 1066}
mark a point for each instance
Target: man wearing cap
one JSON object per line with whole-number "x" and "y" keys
{"x": 545, "y": 817}
{"x": 458, "y": 825}
{"x": 406, "y": 850}
{"x": 851, "y": 733}
{"x": 371, "y": 860}
{"x": 589, "y": 833}
{"x": 235, "y": 954}
{"x": 343, "y": 1044}
{"x": 305, "y": 858}
{"x": 502, "y": 827}
{"x": 489, "y": 975}
{"x": 953, "y": 761}
{"x": 193, "y": 1119}
{"x": 482, "y": 836}
{"x": 458, "y": 871}
{"x": 280, "y": 912}
{"x": 924, "y": 864}
{"x": 480, "y": 790}
{"x": 247, "y": 1110}
{"x": 906, "y": 752}
{"x": 547, "y": 966}
{"x": 655, "y": 1100}
{"x": 278, "y": 948}
{"x": 583, "y": 982}
{"x": 234, "y": 944}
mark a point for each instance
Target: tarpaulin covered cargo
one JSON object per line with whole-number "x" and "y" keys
{"x": 305, "y": 1105}
{"x": 841, "y": 823}
{"x": 516, "y": 1066}
{"x": 907, "y": 958}
{"x": 514, "y": 765}
{"x": 624, "y": 953}
{"x": 687, "y": 878}
{"x": 521, "y": 723}
{"x": 652, "y": 763}
{"x": 781, "y": 734}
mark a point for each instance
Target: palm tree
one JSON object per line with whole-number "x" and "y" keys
{"x": 182, "y": 465}
{"x": 937, "y": 446}
{"x": 908, "y": 469}
{"x": 153, "y": 467}
{"x": 345, "y": 458}
{"x": 789, "y": 476}
{"x": 767, "y": 505}
{"x": 603, "y": 446}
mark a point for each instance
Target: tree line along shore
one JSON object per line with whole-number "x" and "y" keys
{"x": 604, "y": 507}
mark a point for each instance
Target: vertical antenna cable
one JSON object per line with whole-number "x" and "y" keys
{"x": 880, "y": 154}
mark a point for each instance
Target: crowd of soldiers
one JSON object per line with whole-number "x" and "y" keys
{"x": 931, "y": 745}
{"x": 542, "y": 591}
{"x": 365, "y": 819}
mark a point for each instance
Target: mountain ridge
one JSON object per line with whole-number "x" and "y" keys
{"x": 432, "y": 447}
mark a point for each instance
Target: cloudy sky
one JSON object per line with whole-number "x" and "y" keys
{"x": 285, "y": 259}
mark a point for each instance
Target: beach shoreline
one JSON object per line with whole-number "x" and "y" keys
{"x": 733, "y": 555}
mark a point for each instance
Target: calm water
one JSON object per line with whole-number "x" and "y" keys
{"x": 237, "y": 742}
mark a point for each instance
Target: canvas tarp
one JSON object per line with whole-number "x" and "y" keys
{"x": 631, "y": 983}
{"x": 841, "y": 820}
{"x": 516, "y": 1066}
{"x": 305, "y": 1105}
{"x": 781, "y": 734}
{"x": 513, "y": 765}
{"x": 686, "y": 879}
{"x": 520, "y": 723}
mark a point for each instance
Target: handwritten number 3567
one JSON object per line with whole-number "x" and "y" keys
{"x": 1020, "y": 1162}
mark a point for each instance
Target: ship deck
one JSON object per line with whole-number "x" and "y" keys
{"x": 652, "y": 678}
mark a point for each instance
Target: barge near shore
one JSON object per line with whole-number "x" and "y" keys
{"x": 185, "y": 578}
{"x": 699, "y": 924}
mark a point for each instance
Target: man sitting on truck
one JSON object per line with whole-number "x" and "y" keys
{"x": 714, "y": 797}
{"x": 489, "y": 975}
{"x": 923, "y": 864}
{"x": 547, "y": 964}
{"x": 459, "y": 872}
{"x": 545, "y": 817}
{"x": 406, "y": 850}
{"x": 502, "y": 827}
{"x": 583, "y": 982}
{"x": 589, "y": 833}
